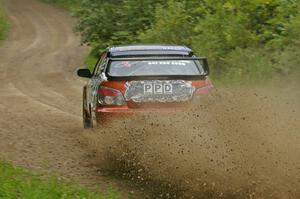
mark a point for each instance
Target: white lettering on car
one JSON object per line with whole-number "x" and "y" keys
{"x": 148, "y": 89}
{"x": 158, "y": 88}
{"x": 176, "y": 63}
{"x": 168, "y": 89}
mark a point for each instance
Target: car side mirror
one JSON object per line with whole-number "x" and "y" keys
{"x": 84, "y": 72}
{"x": 205, "y": 67}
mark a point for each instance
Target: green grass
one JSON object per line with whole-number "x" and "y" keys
{"x": 90, "y": 61}
{"x": 3, "y": 22}
{"x": 16, "y": 183}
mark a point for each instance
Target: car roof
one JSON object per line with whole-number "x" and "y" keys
{"x": 149, "y": 50}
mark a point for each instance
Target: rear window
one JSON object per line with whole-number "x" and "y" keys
{"x": 155, "y": 68}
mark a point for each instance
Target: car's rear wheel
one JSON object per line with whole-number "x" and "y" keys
{"x": 86, "y": 113}
{"x": 87, "y": 121}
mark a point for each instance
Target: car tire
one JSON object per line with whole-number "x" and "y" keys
{"x": 86, "y": 113}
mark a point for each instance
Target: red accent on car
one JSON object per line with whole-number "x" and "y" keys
{"x": 118, "y": 85}
{"x": 202, "y": 86}
{"x": 106, "y": 113}
{"x": 104, "y": 91}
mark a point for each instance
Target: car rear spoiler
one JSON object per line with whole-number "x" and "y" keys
{"x": 159, "y": 77}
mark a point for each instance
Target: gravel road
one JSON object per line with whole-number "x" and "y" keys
{"x": 237, "y": 143}
{"x": 40, "y": 96}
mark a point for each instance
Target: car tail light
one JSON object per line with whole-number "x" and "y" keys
{"x": 110, "y": 97}
{"x": 204, "y": 87}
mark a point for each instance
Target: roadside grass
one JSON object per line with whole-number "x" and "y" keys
{"x": 18, "y": 183}
{"x": 90, "y": 61}
{"x": 3, "y": 22}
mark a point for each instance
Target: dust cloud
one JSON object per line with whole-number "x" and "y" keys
{"x": 233, "y": 143}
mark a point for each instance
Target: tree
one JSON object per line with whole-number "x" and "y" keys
{"x": 104, "y": 23}
{"x": 172, "y": 24}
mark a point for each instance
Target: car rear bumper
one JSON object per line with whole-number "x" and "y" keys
{"x": 104, "y": 115}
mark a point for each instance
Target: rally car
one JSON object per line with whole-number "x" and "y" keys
{"x": 138, "y": 78}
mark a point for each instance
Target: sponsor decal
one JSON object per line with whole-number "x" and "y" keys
{"x": 159, "y": 90}
{"x": 150, "y": 89}
{"x": 173, "y": 63}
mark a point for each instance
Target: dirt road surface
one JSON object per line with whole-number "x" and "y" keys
{"x": 40, "y": 96}
{"x": 232, "y": 144}
{"x": 237, "y": 143}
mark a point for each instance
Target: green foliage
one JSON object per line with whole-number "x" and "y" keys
{"x": 17, "y": 183}
{"x": 90, "y": 61}
{"x": 243, "y": 40}
{"x": 293, "y": 32}
{"x": 287, "y": 61}
{"x": 240, "y": 38}
{"x": 248, "y": 63}
{"x": 218, "y": 34}
{"x": 104, "y": 23}
{"x": 3, "y": 23}
{"x": 171, "y": 19}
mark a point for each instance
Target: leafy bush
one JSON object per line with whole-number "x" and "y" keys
{"x": 103, "y": 23}
{"x": 248, "y": 64}
{"x": 3, "y": 23}
{"x": 172, "y": 24}
{"x": 287, "y": 60}
{"x": 242, "y": 39}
